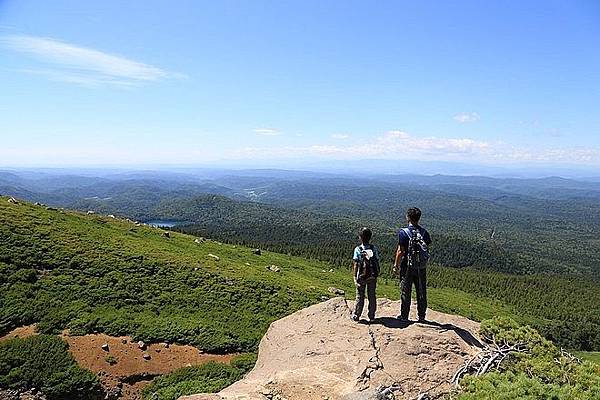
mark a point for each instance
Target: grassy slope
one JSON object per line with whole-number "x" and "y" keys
{"x": 90, "y": 276}
{"x": 593, "y": 356}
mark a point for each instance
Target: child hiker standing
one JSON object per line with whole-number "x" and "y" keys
{"x": 365, "y": 268}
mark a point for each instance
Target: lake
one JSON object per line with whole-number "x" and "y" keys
{"x": 163, "y": 222}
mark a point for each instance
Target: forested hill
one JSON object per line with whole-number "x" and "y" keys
{"x": 523, "y": 226}
{"x": 94, "y": 273}
{"x": 563, "y": 308}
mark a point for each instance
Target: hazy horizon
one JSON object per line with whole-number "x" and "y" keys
{"x": 330, "y": 167}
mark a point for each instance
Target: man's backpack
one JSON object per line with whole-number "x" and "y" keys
{"x": 368, "y": 266}
{"x": 417, "y": 254}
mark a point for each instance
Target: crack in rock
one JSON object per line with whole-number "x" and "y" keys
{"x": 374, "y": 364}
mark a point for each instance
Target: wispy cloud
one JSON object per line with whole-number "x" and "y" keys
{"x": 397, "y": 144}
{"x": 466, "y": 117}
{"x": 388, "y": 145}
{"x": 266, "y": 131}
{"x": 340, "y": 136}
{"x": 71, "y": 63}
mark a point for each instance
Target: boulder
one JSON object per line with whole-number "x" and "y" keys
{"x": 336, "y": 291}
{"x": 141, "y": 345}
{"x": 90, "y": 212}
{"x": 147, "y": 356}
{"x": 12, "y": 200}
{"x": 166, "y": 234}
{"x": 273, "y": 268}
{"x": 105, "y": 347}
{"x": 217, "y": 258}
{"x": 320, "y": 353}
{"x": 258, "y": 252}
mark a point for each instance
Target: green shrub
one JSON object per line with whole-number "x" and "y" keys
{"x": 44, "y": 362}
{"x": 111, "y": 359}
{"x": 541, "y": 371}
{"x": 244, "y": 362}
{"x": 206, "y": 378}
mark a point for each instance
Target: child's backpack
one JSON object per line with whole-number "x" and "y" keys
{"x": 417, "y": 254}
{"x": 368, "y": 266}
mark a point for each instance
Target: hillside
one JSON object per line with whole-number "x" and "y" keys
{"x": 91, "y": 273}
{"x": 94, "y": 275}
{"x": 121, "y": 276}
{"x": 519, "y": 226}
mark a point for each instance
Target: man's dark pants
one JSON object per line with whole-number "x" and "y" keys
{"x": 370, "y": 285}
{"x": 418, "y": 277}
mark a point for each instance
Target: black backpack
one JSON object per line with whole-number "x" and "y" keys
{"x": 417, "y": 253}
{"x": 367, "y": 268}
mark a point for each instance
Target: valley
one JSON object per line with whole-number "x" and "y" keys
{"x": 203, "y": 288}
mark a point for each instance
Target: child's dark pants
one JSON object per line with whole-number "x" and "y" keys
{"x": 370, "y": 286}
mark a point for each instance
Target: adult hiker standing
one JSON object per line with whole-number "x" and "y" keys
{"x": 365, "y": 268}
{"x": 411, "y": 260}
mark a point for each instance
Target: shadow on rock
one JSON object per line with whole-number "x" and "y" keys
{"x": 395, "y": 323}
{"x": 462, "y": 333}
{"x": 390, "y": 322}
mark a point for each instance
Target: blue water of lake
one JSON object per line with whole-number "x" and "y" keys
{"x": 163, "y": 222}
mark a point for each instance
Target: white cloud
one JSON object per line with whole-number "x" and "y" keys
{"x": 392, "y": 144}
{"x": 401, "y": 145}
{"x": 466, "y": 117}
{"x": 82, "y": 65}
{"x": 266, "y": 131}
{"x": 340, "y": 136}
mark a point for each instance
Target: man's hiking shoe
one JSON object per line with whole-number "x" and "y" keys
{"x": 422, "y": 320}
{"x": 401, "y": 318}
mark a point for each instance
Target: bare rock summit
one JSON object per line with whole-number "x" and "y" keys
{"x": 320, "y": 353}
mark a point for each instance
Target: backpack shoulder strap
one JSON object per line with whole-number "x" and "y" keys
{"x": 407, "y": 231}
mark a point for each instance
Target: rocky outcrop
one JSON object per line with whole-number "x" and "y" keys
{"x": 320, "y": 353}
{"x": 14, "y": 394}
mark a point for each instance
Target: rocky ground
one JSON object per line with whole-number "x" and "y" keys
{"x": 318, "y": 353}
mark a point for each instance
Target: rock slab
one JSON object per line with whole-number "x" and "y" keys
{"x": 320, "y": 353}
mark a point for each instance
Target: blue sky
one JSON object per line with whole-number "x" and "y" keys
{"x": 195, "y": 82}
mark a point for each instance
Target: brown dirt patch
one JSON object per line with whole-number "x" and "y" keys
{"x": 131, "y": 370}
{"x": 88, "y": 352}
{"x": 20, "y": 332}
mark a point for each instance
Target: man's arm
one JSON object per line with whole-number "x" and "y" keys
{"x": 398, "y": 259}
